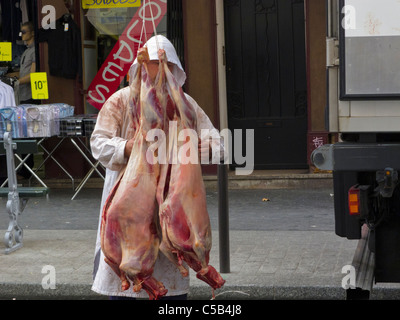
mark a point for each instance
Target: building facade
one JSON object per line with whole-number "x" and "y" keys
{"x": 250, "y": 64}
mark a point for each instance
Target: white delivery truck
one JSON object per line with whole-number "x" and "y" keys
{"x": 363, "y": 108}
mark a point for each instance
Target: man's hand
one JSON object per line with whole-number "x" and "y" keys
{"x": 128, "y": 148}
{"x": 143, "y": 56}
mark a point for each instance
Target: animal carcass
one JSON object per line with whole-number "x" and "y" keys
{"x": 129, "y": 237}
{"x": 184, "y": 219}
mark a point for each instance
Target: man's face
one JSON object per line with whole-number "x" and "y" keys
{"x": 27, "y": 35}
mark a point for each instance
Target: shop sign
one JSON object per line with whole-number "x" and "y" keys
{"x": 99, "y": 4}
{"x": 5, "y": 51}
{"x": 39, "y": 86}
{"x": 123, "y": 54}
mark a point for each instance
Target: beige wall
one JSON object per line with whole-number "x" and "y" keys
{"x": 316, "y": 63}
{"x": 200, "y": 55}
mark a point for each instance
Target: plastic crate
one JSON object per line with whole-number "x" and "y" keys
{"x": 71, "y": 127}
{"x": 89, "y": 122}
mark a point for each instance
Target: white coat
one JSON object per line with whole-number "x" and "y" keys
{"x": 113, "y": 129}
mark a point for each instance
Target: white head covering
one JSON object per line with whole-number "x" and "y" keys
{"x": 172, "y": 57}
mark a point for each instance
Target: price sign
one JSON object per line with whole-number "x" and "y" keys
{"x": 5, "y": 51}
{"x": 39, "y": 86}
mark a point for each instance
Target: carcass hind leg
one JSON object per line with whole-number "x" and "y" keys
{"x": 124, "y": 281}
{"x": 173, "y": 258}
{"x": 211, "y": 277}
{"x": 200, "y": 252}
{"x": 154, "y": 288}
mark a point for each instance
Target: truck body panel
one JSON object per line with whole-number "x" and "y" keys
{"x": 363, "y": 109}
{"x": 370, "y": 108}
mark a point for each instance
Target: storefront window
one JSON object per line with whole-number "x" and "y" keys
{"x": 14, "y": 14}
{"x": 105, "y": 42}
{"x": 112, "y": 37}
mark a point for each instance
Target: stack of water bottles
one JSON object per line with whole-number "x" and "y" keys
{"x": 33, "y": 121}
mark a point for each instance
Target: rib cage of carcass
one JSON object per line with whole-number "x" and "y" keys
{"x": 157, "y": 206}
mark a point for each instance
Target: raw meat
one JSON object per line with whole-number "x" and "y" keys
{"x": 129, "y": 237}
{"x": 184, "y": 220}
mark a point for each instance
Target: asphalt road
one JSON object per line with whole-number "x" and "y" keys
{"x": 286, "y": 210}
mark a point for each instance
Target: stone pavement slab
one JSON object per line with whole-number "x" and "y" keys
{"x": 264, "y": 265}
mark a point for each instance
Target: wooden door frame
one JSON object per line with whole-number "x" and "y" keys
{"x": 208, "y": 40}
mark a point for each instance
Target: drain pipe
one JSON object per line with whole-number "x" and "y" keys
{"x": 223, "y": 105}
{"x": 223, "y": 207}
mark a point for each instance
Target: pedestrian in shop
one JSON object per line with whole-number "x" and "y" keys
{"x": 27, "y": 66}
{"x": 111, "y": 143}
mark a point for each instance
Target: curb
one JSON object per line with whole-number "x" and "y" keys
{"x": 256, "y": 181}
{"x": 251, "y": 292}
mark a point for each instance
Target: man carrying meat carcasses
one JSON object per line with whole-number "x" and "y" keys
{"x": 111, "y": 144}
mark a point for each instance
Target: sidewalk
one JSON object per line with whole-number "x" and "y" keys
{"x": 264, "y": 264}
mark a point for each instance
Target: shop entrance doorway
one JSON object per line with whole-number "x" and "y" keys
{"x": 266, "y": 79}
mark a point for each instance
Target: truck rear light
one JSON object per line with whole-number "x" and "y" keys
{"x": 354, "y": 201}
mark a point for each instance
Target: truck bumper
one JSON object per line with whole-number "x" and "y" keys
{"x": 351, "y": 164}
{"x": 357, "y": 157}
